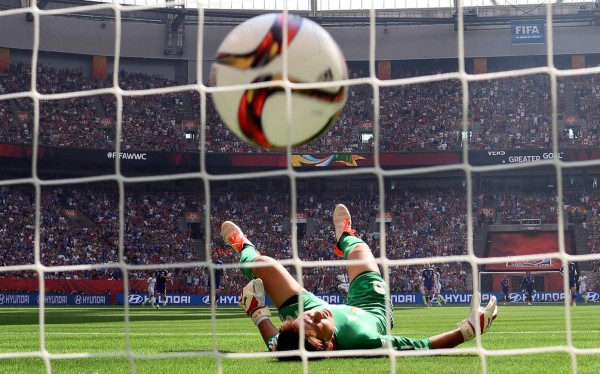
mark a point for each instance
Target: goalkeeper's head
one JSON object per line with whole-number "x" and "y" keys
{"x": 318, "y": 333}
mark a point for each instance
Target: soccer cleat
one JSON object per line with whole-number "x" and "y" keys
{"x": 156, "y": 306}
{"x": 342, "y": 223}
{"x": 485, "y": 317}
{"x": 233, "y": 236}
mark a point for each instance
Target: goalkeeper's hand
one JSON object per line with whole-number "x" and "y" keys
{"x": 252, "y": 300}
{"x": 486, "y": 316}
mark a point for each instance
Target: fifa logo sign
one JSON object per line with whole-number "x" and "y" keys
{"x": 527, "y": 30}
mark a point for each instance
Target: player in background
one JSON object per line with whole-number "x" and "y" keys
{"x": 151, "y": 283}
{"x": 583, "y": 287}
{"x": 573, "y": 275}
{"x": 343, "y": 285}
{"x": 422, "y": 290}
{"x": 218, "y": 276}
{"x": 437, "y": 287}
{"x": 428, "y": 282}
{"x": 504, "y": 288}
{"x": 161, "y": 285}
{"x": 360, "y": 323}
{"x": 527, "y": 287}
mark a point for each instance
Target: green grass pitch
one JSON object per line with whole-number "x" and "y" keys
{"x": 181, "y": 340}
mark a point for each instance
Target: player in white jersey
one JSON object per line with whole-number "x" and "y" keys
{"x": 151, "y": 283}
{"x": 583, "y": 287}
{"x": 343, "y": 286}
{"x": 437, "y": 287}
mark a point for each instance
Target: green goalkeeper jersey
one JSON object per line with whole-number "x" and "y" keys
{"x": 361, "y": 322}
{"x": 356, "y": 328}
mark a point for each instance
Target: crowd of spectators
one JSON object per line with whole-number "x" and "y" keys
{"x": 155, "y": 232}
{"x": 506, "y": 113}
{"x": 422, "y": 224}
{"x": 149, "y": 122}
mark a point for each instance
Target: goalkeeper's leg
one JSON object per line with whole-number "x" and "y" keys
{"x": 349, "y": 246}
{"x": 466, "y": 329}
{"x": 480, "y": 318}
{"x": 278, "y": 283}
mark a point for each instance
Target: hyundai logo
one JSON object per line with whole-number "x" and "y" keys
{"x": 136, "y": 299}
{"x": 593, "y": 296}
{"x": 1, "y": 298}
{"x": 78, "y": 299}
{"x": 515, "y": 297}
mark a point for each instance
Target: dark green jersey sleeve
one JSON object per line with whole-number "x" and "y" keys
{"x": 401, "y": 343}
{"x": 271, "y": 342}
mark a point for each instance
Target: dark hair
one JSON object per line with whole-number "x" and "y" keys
{"x": 289, "y": 339}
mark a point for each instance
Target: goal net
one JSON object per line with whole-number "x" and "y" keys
{"x": 113, "y": 171}
{"x": 548, "y": 286}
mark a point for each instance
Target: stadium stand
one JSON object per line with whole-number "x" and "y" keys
{"x": 509, "y": 113}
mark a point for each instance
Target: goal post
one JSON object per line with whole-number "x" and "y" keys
{"x": 548, "y": 285}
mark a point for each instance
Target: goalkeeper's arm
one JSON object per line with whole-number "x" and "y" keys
{"x": 252, "y": 300}
{"x": 268, "y": 331}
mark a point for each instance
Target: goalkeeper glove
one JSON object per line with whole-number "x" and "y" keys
{"x": 252, "y": 300}
{"x": 485, "y": 315}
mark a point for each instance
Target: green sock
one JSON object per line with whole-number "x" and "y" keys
{"x": 347, "y": 242}
{"x": 248, "y": 254}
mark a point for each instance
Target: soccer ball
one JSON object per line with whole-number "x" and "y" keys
{"x": 253, "y": 52}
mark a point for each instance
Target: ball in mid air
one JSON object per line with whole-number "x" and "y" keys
{"x": 253, "y": 53}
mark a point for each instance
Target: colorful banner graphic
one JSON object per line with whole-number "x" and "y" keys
{"x": 343, "y": 159}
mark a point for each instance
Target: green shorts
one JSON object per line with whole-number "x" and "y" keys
{"x": 368, "y": 291}
{"x": 309, "y": 300}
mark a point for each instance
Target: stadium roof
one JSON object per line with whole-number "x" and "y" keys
{"x": 478, "y": 13}
{"x": 323, "y": 5}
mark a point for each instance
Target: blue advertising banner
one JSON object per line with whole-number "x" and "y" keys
{"x": 21, "y": 299}
{"x": 396, "y": 299}
{"x": 531, "y": 31}
{"x": 31, "y": 299}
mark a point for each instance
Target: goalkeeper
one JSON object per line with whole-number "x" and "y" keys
{"x": 358, "y": 324}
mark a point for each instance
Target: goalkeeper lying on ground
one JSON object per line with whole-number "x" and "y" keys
{"x": 358, "y": 324}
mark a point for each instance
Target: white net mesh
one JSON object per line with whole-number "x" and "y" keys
{"x": 295, "y": 186}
